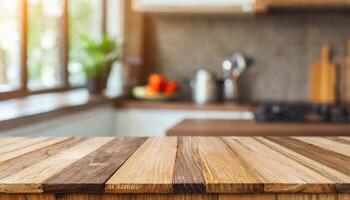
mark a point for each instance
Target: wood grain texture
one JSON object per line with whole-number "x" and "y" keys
{"x": 175, "y": 197}
{"x": 306, "y": 197}
{"x": 326, "y": 171}
{"x": 332, "y": 145}
{"x": 139, "y": 197}
{"x": 224, "y": 127}
{"x": 8, "y": 140}
{"x": 29, "y": 148}
{"x": 287, "y": 176}
{"x": 171, "y": 165}
{"x": 188, "y": 174}
{"x": 27, "y": 197}
{"x": 247, "y": 197}
{"x": 149, "y": 169}
{"x": 91, "y": 172}
{"x": 324, "y": 156}
{"x": 224, "y": 170}
{"x": 24, "y": 161}
{"x": 30, "y": 179}
{"x": 343, "y": 196}
{"x": 339, "y": 139}
{"x": 21, "y": 144}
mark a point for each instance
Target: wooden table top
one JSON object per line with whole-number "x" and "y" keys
{"x": 175, "y": 165}
{"x": 222, "y": 127}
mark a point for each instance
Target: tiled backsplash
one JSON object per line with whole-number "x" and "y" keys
{"x": 283, "y": 45}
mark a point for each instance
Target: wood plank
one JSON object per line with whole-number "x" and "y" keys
{"x": 343, "y": 188}
{"x": 326, "y": 157}
{"x": 281, "y": 174}
{"x": 175, "y": 197}
{"x": 323, "y": 156}
{"x": 30, "y": 179}
{"x": 210, "y": 165}
{"x": 339, "y": 139}
{"x": 224, "y": 170}
{"x": 345, "y": 138}
{"x": 24, "y": 161}
{"x": 12, "y": 197}
{"x": 307, "y": 197}
{"x": 188, "y": 174}
{"x": 27, "y": 197}
{"x": 331, "y": 145}
{"x": 247, "y": 197}
{"x": 278, "y": 197}
{"x": 344, "y": 197}
{"x": 149, "y": 169}
{"x": 41, "y": 197}
{"x": 328, "y": 172}
{"x": 90, "y": 173}
{"x": 9, "y": 140}
{"x": 22, "y": 144}
{"x": 29, "y": 148}
{"x": 137, "y": 197}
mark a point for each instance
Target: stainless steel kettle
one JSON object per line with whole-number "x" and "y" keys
{"x": 205, "y": 87}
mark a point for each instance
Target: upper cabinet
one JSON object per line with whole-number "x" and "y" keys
{"x": 195, "y": 6}
{"x": 231, "y": 6}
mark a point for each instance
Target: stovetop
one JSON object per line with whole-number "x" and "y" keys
{"x": 302, "y": 112}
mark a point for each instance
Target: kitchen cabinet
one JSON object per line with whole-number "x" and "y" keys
{"x": 93, "y": 122}
{"x": 105, "y": 121}
{"x": 155, "y": 122}
{"x": 195, "y": 6}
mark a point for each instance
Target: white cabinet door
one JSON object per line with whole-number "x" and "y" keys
{"x": 94, "y": 122}
{"x": 149, "y": 122}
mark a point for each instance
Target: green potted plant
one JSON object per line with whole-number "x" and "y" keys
{"x": 97, "y": 58}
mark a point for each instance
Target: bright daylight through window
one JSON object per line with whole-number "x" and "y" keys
{"x": 9, "y": 45}
{"x": 41, "y": 42}
{"x": 85, "y": 20}
{"x": 45, "y": 23}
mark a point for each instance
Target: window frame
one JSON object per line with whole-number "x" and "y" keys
{"x": 23, "y": 90}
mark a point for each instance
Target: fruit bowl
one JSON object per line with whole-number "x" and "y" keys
{"x": 140, "y": 92}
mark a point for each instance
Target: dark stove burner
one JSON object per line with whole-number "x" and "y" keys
{"x": 301, "y": 112}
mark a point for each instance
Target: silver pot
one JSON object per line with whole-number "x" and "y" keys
{"x": 205, "y": 88}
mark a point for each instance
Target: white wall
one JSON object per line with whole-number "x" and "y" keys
{"x": 107, "y": 121}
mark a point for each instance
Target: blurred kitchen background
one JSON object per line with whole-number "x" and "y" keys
{"x": 185, "y": 67}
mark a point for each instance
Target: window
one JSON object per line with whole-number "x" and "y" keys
{"x": 45, "y": 22}
{"x": 39, "y": 41}
{"x": 85, "y": 19}
{"x": 10, "y": 70}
